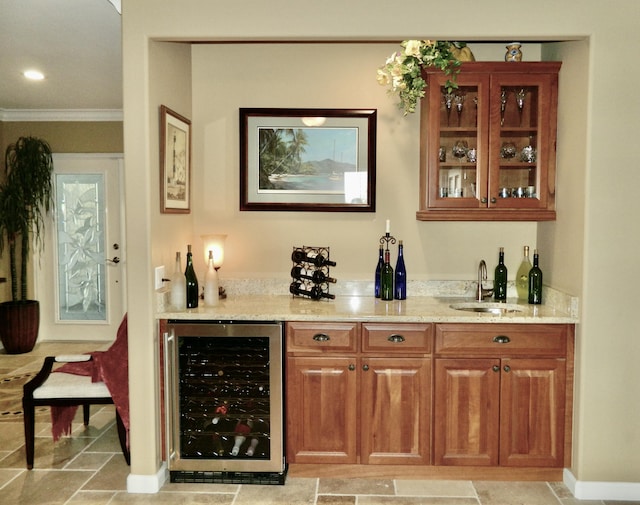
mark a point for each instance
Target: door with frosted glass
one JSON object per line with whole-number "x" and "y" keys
{"x": 81, "y": 276}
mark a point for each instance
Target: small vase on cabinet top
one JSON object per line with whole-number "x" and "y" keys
{"x": 513, "y": 52}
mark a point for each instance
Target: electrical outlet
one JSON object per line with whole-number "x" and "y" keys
{"x": 159, "y": 276}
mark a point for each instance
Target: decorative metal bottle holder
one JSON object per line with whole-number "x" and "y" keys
{"x": 310, "y": 274}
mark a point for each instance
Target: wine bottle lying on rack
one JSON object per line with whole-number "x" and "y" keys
{"x": 315, "y": 293}
{"x": 317, "y": 276}
{"x": 299, "y": 256}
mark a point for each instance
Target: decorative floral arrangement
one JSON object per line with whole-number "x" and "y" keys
{"x": 403, "y": 70}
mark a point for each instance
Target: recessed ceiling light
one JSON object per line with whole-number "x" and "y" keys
{"x": 34, "y": 75}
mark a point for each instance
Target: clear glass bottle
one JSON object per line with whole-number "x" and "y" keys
{"x": 535, "y": 281}
{"x": 400, "y": 289}
{"x": 522, "y": 276}
{"x": 379, "y": 272}
{"x": 192, "y": 281}
{"x": 211, "y": 295}
{"x": 178, "y": 296}
{"x": 500, "y": 279}
{"x": 386, "y": 278}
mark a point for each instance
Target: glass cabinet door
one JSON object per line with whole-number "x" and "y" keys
{"x": 520, "y": 113}
{"x": 457, "y": 152}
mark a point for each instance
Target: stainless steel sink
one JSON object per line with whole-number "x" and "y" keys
{"x": 487, "y": 307}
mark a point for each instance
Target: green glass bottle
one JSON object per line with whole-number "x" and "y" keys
{"x": 500, "y": 279}
{"x": 192, "y": 281}
{"x": 535, "y": 281}
{"x": 386, "y": 278}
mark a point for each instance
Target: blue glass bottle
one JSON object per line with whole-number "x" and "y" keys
{"x": 401, "y": 275}
{"x": 379, "y": 272}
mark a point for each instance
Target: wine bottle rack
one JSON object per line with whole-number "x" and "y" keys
{"x": 310, "y": 274}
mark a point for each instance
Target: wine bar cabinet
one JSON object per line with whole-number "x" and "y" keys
{"x": 487, "y": 148}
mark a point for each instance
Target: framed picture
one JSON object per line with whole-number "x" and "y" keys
{"x": 175, "y": 162}
{"x": 308, "y": 159}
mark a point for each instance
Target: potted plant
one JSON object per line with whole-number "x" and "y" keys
{"x": 26, "y": 196}
{"x": 402, "y": 71}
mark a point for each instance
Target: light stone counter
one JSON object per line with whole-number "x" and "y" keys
{"x": 429, "y": 303}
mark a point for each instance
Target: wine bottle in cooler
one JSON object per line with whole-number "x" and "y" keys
{"x": 535, "y": 281}
{"x": 500, "y": 279}
{"x": 192, "y": 281}
{"x": 400, "y": 289}
{"x": 386, "y": 278}
{"x": 379, "y": 271}
{"x": 522, "y": 276}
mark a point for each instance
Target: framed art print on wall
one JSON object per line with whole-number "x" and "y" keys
{"x": 308, "y": 159}
{"x": 175, "y": 162}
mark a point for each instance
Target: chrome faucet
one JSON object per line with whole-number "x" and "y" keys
{"x": 482, "y": 293}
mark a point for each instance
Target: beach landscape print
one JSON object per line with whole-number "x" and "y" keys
{"x": 307, "y": 159}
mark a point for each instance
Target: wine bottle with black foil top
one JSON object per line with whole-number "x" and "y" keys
{"x": 400, "y": 289}
{"x": 378, "y": 289}
{"x": 500, "y": 279}
{"x": 386, "y": 278}
{"x": 192, "y": 281}
{"x": 522, "y": 276}
{"x": 317, "y": 276}
{"x": 535, "y": 281}
{"x": 299, "y": 256}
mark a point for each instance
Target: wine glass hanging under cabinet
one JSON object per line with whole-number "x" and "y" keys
{"x": 487, "y": 148}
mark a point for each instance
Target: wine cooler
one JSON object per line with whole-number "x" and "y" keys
{"x": 224, "y": 401}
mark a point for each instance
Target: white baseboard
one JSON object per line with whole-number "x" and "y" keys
{"x": 148, "y": 484}
{"x": 593, "y": 490}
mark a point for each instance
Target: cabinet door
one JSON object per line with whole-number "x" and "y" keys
{"x": 467, "y": 412}
{"x": 522, "y": 141}
{"x": 395, "y": 410}
{"x": 454, "y": 126}
{"x": 321, "y": 409}
{"x": 532, "y": 412}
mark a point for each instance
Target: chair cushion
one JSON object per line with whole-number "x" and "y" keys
{"x": 67, "y": 385}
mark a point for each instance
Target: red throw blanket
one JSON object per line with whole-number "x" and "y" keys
{"x": 112, "y": 368}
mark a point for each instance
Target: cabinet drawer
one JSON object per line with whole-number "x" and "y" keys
{"x": 396, "y": 338}
{"x": 501, "y": 339}
{"x": 319, "y": 337}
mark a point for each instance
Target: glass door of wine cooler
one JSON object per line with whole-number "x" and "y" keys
{"x": 223, "y": 401}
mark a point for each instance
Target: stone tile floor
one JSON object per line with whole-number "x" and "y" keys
{"x": 88, "y": 468}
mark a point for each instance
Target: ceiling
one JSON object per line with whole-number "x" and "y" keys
{"x": 75, "y": 43}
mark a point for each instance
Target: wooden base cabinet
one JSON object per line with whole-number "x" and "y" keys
{"x": 359, "y": 407}
{"x": 502, "y": 410}
{"x": 423, "y": 399}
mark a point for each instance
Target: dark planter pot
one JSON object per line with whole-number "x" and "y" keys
{"x": 19, "y": 324}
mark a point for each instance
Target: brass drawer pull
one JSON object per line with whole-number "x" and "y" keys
{"x": 321, "y": 337}
{"x": 501, "y": 339}
{"x": 396, "y": 339}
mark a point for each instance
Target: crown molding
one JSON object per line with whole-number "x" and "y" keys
{"x": 23, "y": 115}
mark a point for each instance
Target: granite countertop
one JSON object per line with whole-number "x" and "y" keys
{"x": 427, "y": 304}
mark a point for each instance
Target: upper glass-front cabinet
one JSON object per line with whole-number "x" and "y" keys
{"x": 487, "y": 149}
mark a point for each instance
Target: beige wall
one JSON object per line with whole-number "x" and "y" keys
{"x": 586, "y": 252}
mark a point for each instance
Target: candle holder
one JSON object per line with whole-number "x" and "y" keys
{"x": 387, "y": 239}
